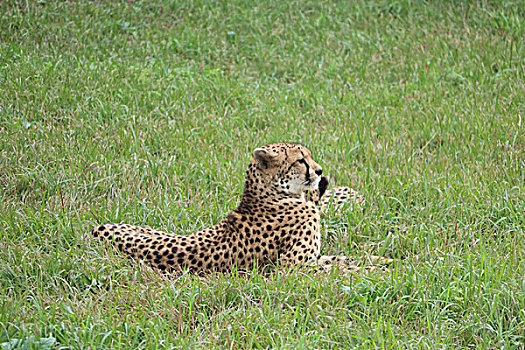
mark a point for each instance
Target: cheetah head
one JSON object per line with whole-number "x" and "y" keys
{"x": 288, "y": 167}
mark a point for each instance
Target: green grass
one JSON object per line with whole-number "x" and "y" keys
{"x": 146, "y": 112}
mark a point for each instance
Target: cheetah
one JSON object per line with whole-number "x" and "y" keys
{"x": 275, "y": 222}
{"x": 334, "y": 199}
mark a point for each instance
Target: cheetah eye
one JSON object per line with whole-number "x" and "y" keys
{"x": 302, "y": 161}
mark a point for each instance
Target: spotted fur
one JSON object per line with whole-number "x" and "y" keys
{"x": 334, "y": 199}
{"x": 274, "y": 221}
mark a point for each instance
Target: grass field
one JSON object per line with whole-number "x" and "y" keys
{"x": 146, "y": 112}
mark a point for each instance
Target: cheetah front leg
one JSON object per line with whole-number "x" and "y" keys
{"x": 298, "y": 255}
{"x": 327, "y": 262}
{"x": 335, "y": 198}
{"x": 343, "y": 262}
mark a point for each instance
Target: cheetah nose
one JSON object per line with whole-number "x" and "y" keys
{"x": 319, "y": 171}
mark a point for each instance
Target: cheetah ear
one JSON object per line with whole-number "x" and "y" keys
{"x": 263, "y": 155}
